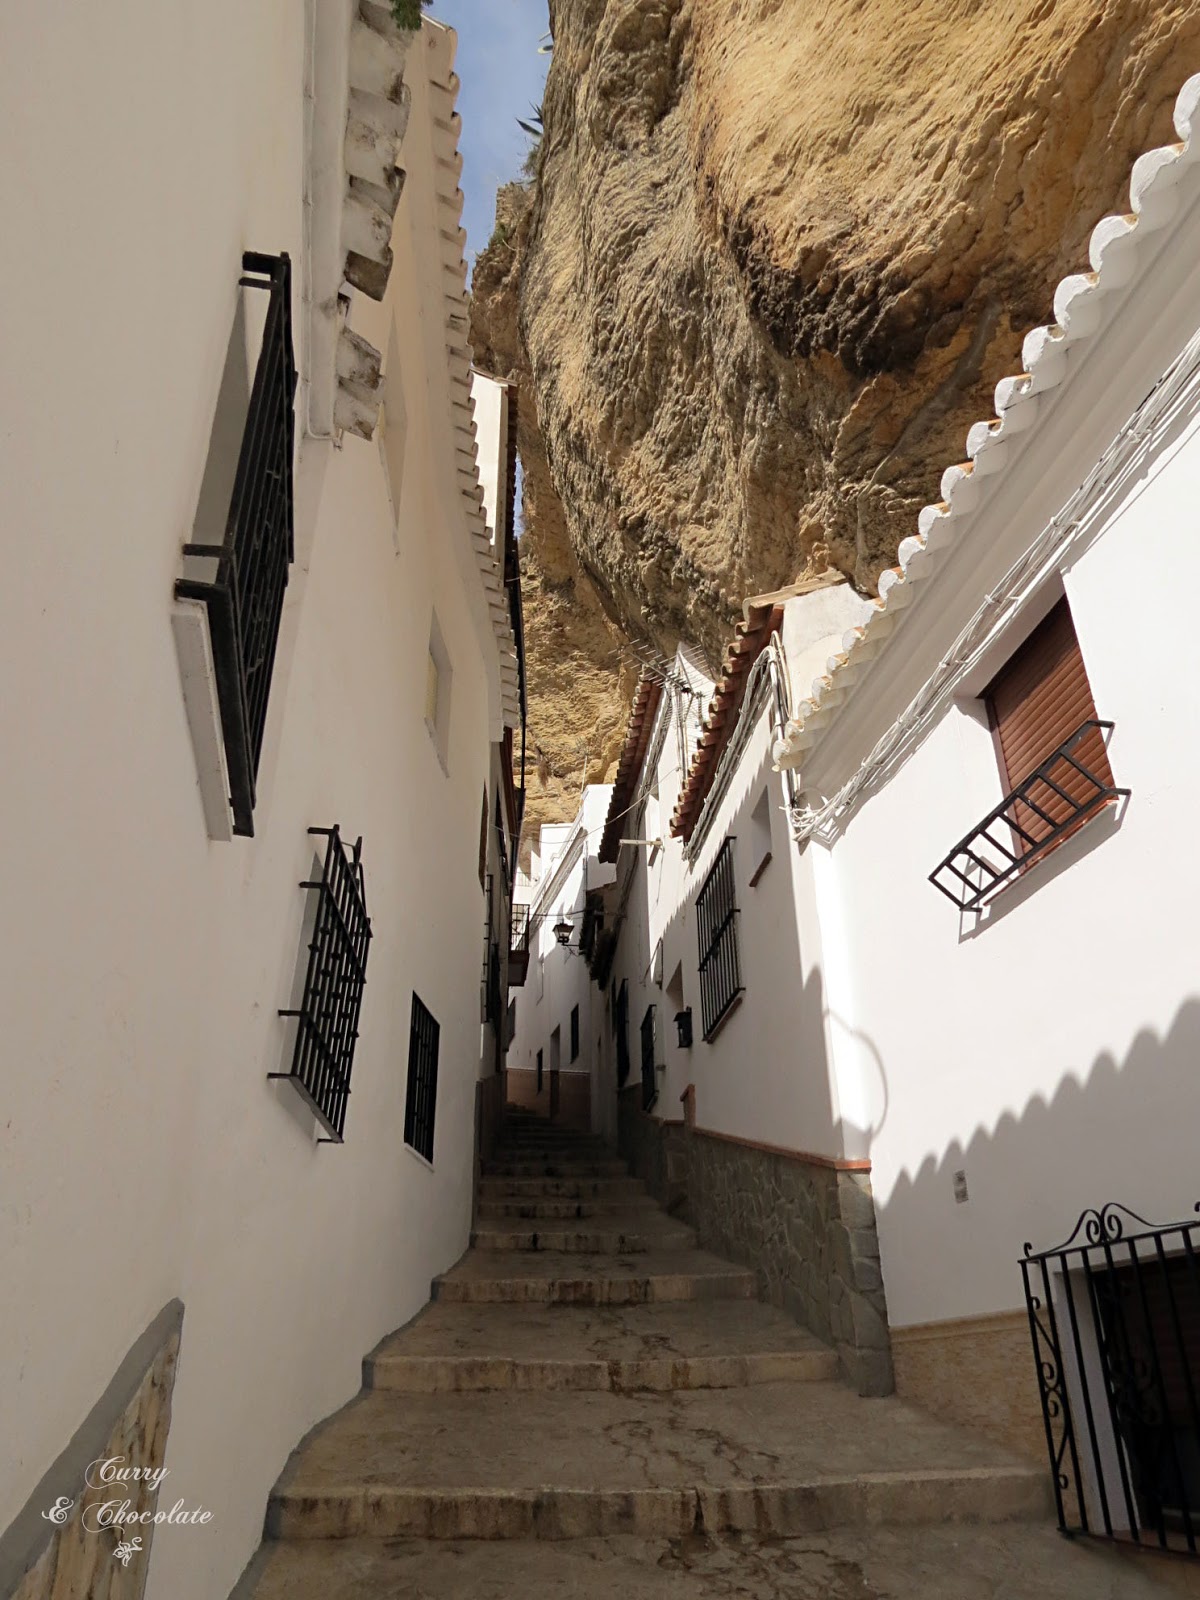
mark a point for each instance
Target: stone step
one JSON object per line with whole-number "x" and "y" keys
{"x": 718, "y": 1344}
{"x": 567, "y": 1167}
{"x": 779, "y": 1459}
{"x": 1014, "y": 1562}
{"x": 559, "y": 1188}
{"x": 556, "y": 1278}
{"x": 545, "y": 1208}
{"x": 618, "y": 1234}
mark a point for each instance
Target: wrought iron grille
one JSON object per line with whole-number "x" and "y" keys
{"x": 327, "y": 1021}
{"x": 244, "y": 598}
{"x": 518, "y": 953}
{"x": 716, "y": 922}
{"x": 1051, "y": 802}
{"x": 649, "y": 1083}
{"x": 1114, "y": 1315}
{"x": 574, "y": 1033}
{"x": 621, "y": 1029}
{"x": 421, "y": 1105}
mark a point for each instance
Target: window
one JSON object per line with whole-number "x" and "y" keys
{"x": 438, "y": 676}
{"x": 1039, "y": 700}
{"x": 760, "y": 838}
{"x": 242, "y": 580}
{"x": 421, "y": 1105}
{"x": 327, "y": 1021}
{"x": 482, "y": 836}
{"x": 1053, "y": 761}
{"x": 574, "y": 1033}
{"x": 649, "y": 1086}
{"x": 539, "y": 1071}
{"x": 621, "y": 1029}
{"x": 716, "y": 923}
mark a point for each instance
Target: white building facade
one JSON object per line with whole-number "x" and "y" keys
{"x": 193, "y": 1265}
{"x": 958, "y": 1010}
{"x": 553, "y": 1062}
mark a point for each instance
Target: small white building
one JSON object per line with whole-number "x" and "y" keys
{"x": 929, "y": 912}
{"x": 554, "y": 1056}
{"x": 255, "y": 592}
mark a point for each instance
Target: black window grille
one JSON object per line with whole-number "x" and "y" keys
{"x": 327, "y": 1021}
{"x": 421, "y": 1106}
{"x": 621, "y": 1029}
{"x": 1114, "y": 1314}
{"x": 716, "y": 922}
{"x": 244, "y": 597}
{"x": 649, "y": 1084}
{"x": 1053, "y": 800}
{"x": 574, "y": 1033}
{"x": 487, "y": 1012}
{"x": 539, "y": 1071}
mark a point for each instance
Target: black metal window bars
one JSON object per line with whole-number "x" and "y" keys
{"x": 244, "y": 598}
{"x": 1114, "y": 1316}
{"x": 716, "y": 923}
{"x": 421, "y": 1105}
{"x": 649, "y": 1084}
{"x": 621, "y": 1031}
{"x": 327, "y": 1021}
{"x": 1052, "y": 801}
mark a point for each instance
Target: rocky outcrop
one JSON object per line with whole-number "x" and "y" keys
{"x": 775, "y": 259}
{"x": 579, "y": 673}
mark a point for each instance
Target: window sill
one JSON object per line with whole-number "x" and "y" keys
{"x": 419, "y": 1158}
{"x": 734, "y": 1005}
{"x": 1087, "y": 835}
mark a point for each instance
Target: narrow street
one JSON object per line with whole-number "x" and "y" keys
{"x": 591, "y": 1404}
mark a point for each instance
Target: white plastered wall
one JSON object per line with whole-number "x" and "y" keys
{"x": 1048, "y": 1052}
{"x": 144, "y": 1153}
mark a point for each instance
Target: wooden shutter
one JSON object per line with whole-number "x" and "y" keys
{"x": 1037, "y": 701}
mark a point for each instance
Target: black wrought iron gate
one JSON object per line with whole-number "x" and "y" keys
{"x": 1114, "y": 1314}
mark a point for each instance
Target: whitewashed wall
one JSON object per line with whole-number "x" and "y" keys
{"x": 143, "y": 1152}
{"x": 766, "y": 1075}
{"x": 1049, "y": 1053}
{"x": 566, "y": 867}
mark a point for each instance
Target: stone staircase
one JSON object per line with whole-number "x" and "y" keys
{"x": 591, "y": 1402}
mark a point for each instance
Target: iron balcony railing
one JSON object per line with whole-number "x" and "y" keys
{"x": 1051, "y": 802}
{"x": 716, "y": 922}
{"x": 244, "y": 597}
{"x": 1114, "y": 1315}
{"x": 327, "y": 1021}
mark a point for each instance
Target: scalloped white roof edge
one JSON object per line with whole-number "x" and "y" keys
{"x": 1078, "y": 312}
{"x": 446, "y": 128}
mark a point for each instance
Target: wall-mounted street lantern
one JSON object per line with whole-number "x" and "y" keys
{"x": 683, "y": 1022}
{"x": 563, "y": 931}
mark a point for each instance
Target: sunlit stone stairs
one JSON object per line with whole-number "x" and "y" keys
{"x": 598, "y": 1393}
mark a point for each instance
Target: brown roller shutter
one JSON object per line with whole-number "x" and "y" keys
{"x": 1037, "y": 701}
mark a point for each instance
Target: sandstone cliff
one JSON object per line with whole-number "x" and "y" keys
{"x": 776, "y": 257}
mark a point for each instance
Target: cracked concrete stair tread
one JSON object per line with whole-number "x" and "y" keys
{"x": 536, "y": 1274}
{"x": 783, "y": 1458}
{"x": 685, "y": 1344}
{"x": 644, "y": 1230}
{"x": 983, "y": 1563}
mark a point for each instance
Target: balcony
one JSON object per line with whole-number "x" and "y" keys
{"x": 1056, "y": 798}
{"x": 518, "y": 950}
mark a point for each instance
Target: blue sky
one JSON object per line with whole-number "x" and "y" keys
{"x": 502, "y": 76}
